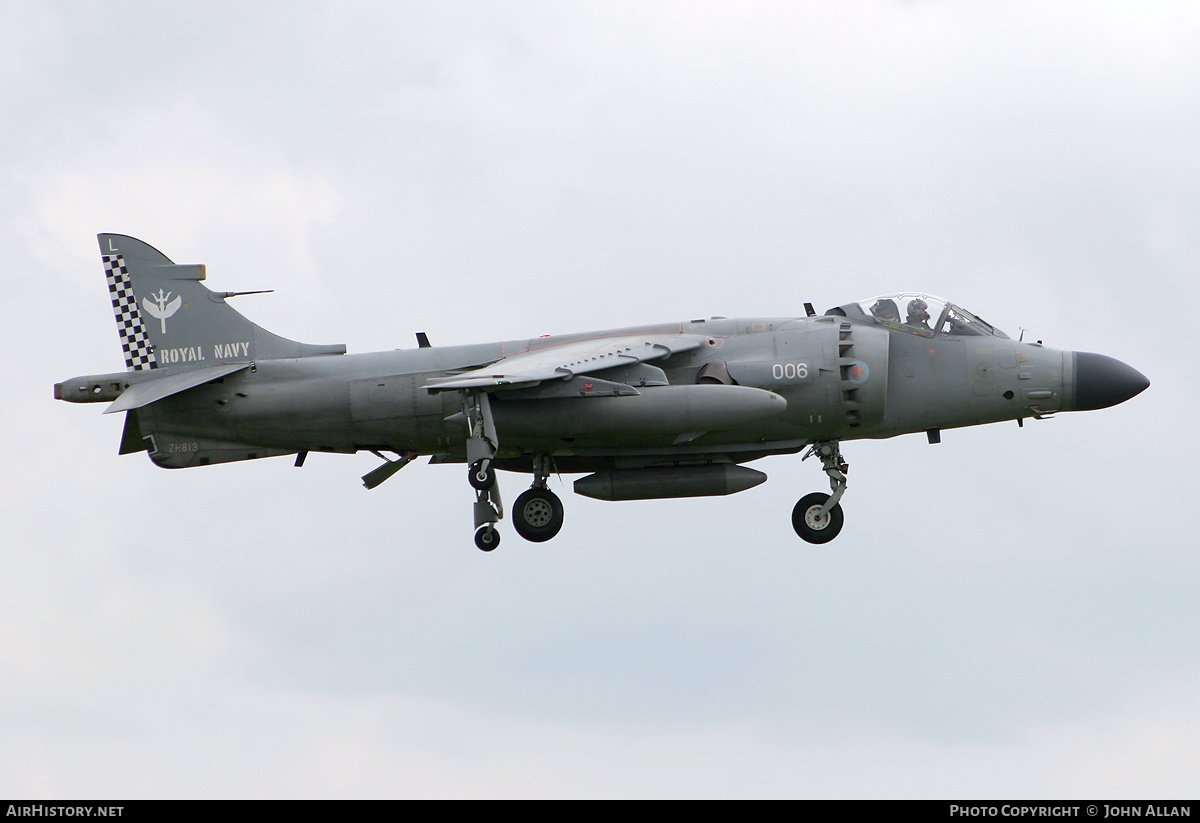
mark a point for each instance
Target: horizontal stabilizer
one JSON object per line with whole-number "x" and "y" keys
{"x": 149, "y": 391}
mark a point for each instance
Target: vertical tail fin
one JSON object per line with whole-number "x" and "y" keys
{"x": 167, "y": 319}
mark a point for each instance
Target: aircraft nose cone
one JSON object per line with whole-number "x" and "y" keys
{"x": 1102, "y": 381}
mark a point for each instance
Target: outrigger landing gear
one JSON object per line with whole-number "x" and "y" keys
{"x": 817, "y": 517}
{"x": 481, "y": 449}
{"x": 481, "y": 475}
{"x": 487, "y": 538}
{"x": 538, "y": 513}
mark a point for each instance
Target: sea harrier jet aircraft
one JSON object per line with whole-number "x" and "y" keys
{"x": 665, "y": 410}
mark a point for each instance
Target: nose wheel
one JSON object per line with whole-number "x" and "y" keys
{"x": 811, "y": 523}
{"x": 817, "y": 517}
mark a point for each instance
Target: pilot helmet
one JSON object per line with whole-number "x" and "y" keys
{"x": 917, "y": 308}
{"x": 885, "y": 309}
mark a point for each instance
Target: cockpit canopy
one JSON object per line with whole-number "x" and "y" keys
{"x": 918, "y": 313}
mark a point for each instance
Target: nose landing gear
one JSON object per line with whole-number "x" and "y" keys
{"x": 811, "y": 524}
{"x": 817, "y": 517}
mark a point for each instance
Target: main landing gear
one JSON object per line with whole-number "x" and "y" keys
{"x": 538, "y": 514}
{"x": 817, "y": 517}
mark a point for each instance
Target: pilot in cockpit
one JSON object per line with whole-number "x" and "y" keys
{"x": 918, "y": 314}
{"x": 885, "y": 309}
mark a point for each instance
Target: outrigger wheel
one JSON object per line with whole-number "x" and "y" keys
{"x": 487, "y": 538}
{"x": 481, "y": 475}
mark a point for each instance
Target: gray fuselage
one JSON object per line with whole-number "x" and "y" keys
{"x": 842, "y": 378}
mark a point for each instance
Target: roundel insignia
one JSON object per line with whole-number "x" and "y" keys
{"x": 858, "y": 372}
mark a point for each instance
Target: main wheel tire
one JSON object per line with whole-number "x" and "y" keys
{"x": 537, "y": 515}
{"x": 808, "y": 522}
{"x": 487, "y": 538}
{"x": 481, "y": 475}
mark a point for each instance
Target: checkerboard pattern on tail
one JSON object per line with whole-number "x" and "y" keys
{"x": 139, "y": 353}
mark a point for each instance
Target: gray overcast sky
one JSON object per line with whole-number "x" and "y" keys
{"x": 1010, "y": 613}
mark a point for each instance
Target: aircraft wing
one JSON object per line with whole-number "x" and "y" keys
{"x": 565, "y": 360}
{"x": 148, "y": 391}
